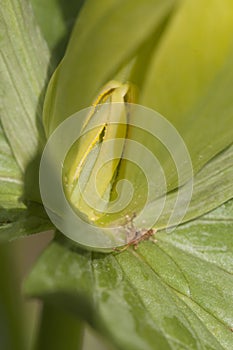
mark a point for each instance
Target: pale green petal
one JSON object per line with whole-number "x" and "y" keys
{"x": 190, "y": 77}
{"x": 98, "y": 48}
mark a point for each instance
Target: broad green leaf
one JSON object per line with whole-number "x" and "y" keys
{"x": 98, "y": 48}
{"x": 11, "y": 180}
{"x": 16, "y": 220}
{"x": 24, "y": 61}
{"x": 190, "y": 77}
{"x": 212, "y": 186}
{"x": 175, "y": 293}
{"x": 216, "y": 236}
{"x": 223, "y": 213}
{"x": 56, "y": 19}
{"x": 21, "y": 222}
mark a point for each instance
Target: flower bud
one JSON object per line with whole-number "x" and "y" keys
{"x": 92, "y": 163}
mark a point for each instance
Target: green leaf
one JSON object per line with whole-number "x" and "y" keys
{"x": 11, "y": 182}
{"x": 24, "y": 61}
{"x": 16, "y": 220}
{"x": 173, "y": 294}
{"x": 212, "y": 186}
{"x": 97, "y": 34}
{"x": 23, "y": 71}
{"x": 190, "y": 77}
{"x": 20, "y": 222}
{"x": 209, "y": 237}
{"x": 56, "y": 19}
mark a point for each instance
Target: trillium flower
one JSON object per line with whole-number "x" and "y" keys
{"x": 164, "y": 60}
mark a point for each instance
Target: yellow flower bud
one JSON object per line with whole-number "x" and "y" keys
{"x": 87, "y": 177}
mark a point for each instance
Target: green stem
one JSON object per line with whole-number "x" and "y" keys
{"x": 12, "y": 335}
{"x": 59, "y": 330}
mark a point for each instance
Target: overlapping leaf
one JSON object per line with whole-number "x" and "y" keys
{"x": 16, "y": 220}
{"x": 24, "y": 63}
{"x": 56, "y": 19}
{"x": 212, "y": 186}
{"x": 173, "y": 294}
{"x": 23, "y": 60}
{"x": 11, "y": 182}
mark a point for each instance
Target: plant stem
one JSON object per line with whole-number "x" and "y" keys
{"x": 59, "y": 330}
{"x": 12, "y": 335}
